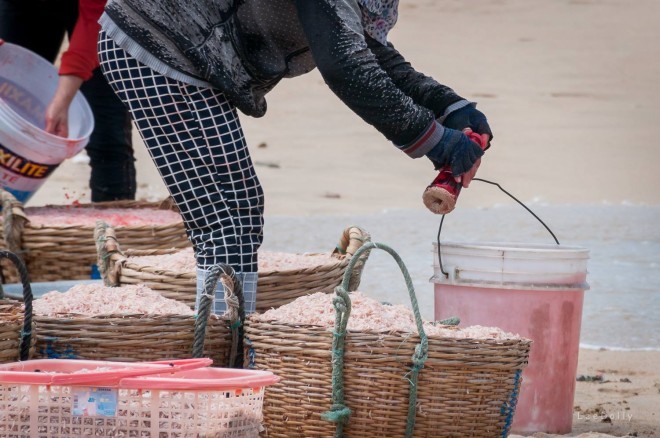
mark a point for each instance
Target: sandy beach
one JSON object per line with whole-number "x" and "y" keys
{"x": 626, "y": 402}
{"x": 569, "y": 88}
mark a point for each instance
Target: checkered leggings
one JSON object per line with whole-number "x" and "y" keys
{"x": 195, "y": 139}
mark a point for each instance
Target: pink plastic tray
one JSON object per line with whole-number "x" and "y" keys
{"x": 75, "y": 372}
{"x": 207, "y": 379}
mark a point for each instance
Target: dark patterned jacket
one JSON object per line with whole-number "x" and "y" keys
{"x": 245, "y": 47}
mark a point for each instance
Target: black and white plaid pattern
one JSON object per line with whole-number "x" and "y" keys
{"x": 249, "y": 282}
{"x": 194, "y": 137}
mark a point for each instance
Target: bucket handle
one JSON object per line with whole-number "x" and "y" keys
{"x": 446, "y": 274}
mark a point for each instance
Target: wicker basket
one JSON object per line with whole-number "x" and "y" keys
{"x": 16, "y": 324}
{"x": 275, "y": 287}
{"x": 68, "y": 252}
{"x": 12, "y": 325}
{"x": 128, "y": 338}
{"x": 394, "y": 384}
{"x": 132, "y": 338}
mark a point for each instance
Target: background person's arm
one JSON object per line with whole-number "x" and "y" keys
{"x": 77, "y": 64}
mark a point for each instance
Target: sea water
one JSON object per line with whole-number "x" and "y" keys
{"x": 621, "y": 308}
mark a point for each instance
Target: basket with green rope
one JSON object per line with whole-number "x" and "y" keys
{"x": 140, "y": 337}
{"x": 363, "y": 384}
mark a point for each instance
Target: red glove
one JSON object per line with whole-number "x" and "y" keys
{"x": 440, "y": 196}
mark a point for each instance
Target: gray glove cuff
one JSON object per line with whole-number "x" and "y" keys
{"x": 453, "y": 107}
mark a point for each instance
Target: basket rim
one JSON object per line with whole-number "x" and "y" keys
{"x": 340, "y": 261}
{"x": 106, "y": 205}
{"x": 90, "y": 228}
{"x": 120, "y": 203}
{"x": 69, "y": 317}
{"x": 213, "y": 379}
{"x": 393, "y": 334}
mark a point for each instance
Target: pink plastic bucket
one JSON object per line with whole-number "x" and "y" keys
{"x": 536, "y": 291}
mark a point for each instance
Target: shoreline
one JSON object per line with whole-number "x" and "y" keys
{"x": 589, "y": 347}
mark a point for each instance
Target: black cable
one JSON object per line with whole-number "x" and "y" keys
{"x": 438, "y": 240}
{"x": 524, "y": 206}
{"x": 512, "y": 197}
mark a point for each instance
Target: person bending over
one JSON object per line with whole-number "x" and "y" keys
{"x": 184, "y": 68}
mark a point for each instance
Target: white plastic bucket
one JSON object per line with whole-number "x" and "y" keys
{"x": 28, "y": 154}
{"x": 536, "y": 291}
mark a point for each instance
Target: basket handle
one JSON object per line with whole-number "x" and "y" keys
{"x": 339, "y": 412}
{"x": 109, "y": 254}
{"x": 168, "y": 204}
{"x": 115, "y": 375}
{"x": 14, "y": 220}
{"x": 350, "y": 241}
{"x": 442, "y": 219}
{"x": 26, "y": 332}
{"x": 111, "y": 258}
{"x": 236, "y": 311}
{"x": 185, "y": 364}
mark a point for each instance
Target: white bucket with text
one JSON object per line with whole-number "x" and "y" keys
{"x": 29, "y": 154}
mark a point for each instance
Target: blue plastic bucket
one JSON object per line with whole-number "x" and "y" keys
{"x": 28, "y": 154}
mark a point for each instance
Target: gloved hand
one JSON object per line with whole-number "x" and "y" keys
{"x": 456, "y": 150}
{"x": 469, "y": 117}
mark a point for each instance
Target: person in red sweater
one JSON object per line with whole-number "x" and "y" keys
{"x": 40, "y": 26}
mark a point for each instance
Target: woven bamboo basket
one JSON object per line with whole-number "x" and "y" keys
{"x": 394, "y": 384}
{"x": 129, "y": 338}
{"x": 275, "y": 287}
{"x": 68, "y": 252}
{"x": 11, "y": 328}
{"x": 139, "y": 337}
{"x": 16, "y": 323}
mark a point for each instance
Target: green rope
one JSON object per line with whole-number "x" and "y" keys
{"x": 205, "y": 303}
{"x": 452, "y": 320}
{"x": 233, "y": 289}
{"x": 339, "y": 413}
{"x": 236, "y": 314}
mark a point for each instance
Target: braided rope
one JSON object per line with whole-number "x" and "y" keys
{"x": 106, "y": 246}
{"x": 203, "y": 313}
{"x": 339, "y": 413}
{"x": 233, "y": 305}
{"x": 233, "y": 294}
